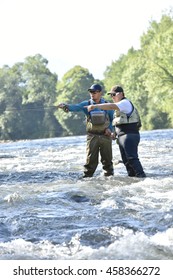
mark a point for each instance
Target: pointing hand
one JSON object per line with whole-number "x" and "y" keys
{"x": 64, "y": 107}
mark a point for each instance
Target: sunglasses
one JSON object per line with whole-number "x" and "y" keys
{"x": 115, "y": 94}
{"x": 94, "y": 91}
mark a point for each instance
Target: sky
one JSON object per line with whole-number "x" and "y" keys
{"x": 89, "y": 33}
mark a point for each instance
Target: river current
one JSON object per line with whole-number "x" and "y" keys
{"x": 48, "y": 212}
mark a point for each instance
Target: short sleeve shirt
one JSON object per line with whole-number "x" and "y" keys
{"x": 124, "y": 106}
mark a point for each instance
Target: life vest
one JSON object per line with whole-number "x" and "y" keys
{"x": 97, "y": 121}
{"x": 121, "y": 118}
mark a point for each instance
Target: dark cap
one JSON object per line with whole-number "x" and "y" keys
{"x": 95, "y": 87}
{"x": 116, "y": 89}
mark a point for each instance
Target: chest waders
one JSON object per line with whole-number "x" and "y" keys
{"x": 98, "y": 143}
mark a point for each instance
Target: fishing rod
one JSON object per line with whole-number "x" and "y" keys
{"x": 30, "y": 109}
{"x": 60, "y": 106}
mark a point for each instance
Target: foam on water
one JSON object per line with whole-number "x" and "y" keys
{"x": 48, "y": 212}
{"x": 126, "y": 245}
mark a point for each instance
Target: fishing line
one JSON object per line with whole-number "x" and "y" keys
{"x": 29, "y": 109}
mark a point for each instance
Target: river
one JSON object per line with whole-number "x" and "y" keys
{"x": 47, "y": 212}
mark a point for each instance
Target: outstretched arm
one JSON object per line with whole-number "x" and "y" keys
{"x": 74, "y": 107}
{"x": 64, "y": 107}
{"x": 104, "y": 106}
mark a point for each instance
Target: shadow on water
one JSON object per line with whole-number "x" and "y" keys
{"x": 36, "y": 176}
{"x": 50, "y": 176}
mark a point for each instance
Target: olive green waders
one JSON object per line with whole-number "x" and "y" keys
{"x": 98, "y": 144}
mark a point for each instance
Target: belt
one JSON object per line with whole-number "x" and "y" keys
{"x": 96, "y": 133}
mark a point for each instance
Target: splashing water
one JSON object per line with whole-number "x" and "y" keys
{"x": 48, "y": 212}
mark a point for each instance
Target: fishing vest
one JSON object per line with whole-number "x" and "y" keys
{"x": 121, "y": 118}
{"x": 97, "y": 121}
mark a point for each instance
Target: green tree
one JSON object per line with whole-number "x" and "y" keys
{"x": 113, "y": 73}
{"x": 72, "y": 90}
{"x": 157, "y": 46}
{"x": 10, "y": 103}
{"x": 147, "y": 74}
{"x": 40, "y": 95}
{"x": 132, "y": 79}
{"x": 128, "y": 71}
{"x": 27, "y": 95}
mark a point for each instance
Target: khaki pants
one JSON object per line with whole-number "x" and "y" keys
{"x": 98, "y": 144}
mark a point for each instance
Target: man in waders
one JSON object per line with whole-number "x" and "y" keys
{"x": 127, "y": 124}
{"x": 99, "y": 132}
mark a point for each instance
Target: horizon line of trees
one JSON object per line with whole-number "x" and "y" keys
{"x": 29, "y": 92}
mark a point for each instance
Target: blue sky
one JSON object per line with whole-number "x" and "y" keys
{"x": 90, "y": 33}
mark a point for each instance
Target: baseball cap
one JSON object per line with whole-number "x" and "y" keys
{"x": 116, "y": 89}
{"x": 95, "y": 87}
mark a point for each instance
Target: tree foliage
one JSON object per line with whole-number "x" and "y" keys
{"x": 28, "y": 90}
{"x": 147, "y": 75}
{"x": 158, "y": 53}
{"x": 73, "y": 90}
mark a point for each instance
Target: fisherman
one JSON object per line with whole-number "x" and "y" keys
{"x": 99, "y": 132}
{"x": 127, "y": 124}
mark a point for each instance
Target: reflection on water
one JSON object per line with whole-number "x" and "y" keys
{"x": 48, "y": 212}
